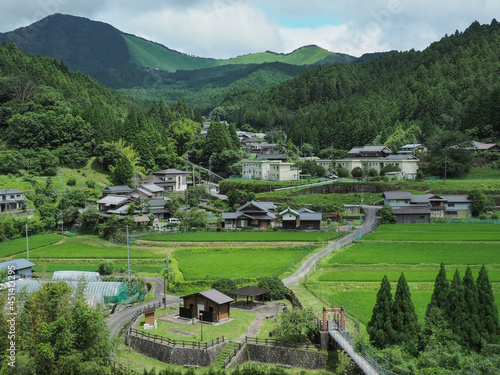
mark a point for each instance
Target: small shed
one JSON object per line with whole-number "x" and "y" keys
{"x": 149, "y": 316}
{"x": 22, "y": 268}
{"x": 251, "y": 292}
{"x": 209, "y": 306}
{"x": 410, "y": 215}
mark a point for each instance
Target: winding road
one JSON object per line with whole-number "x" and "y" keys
{"x": 365, "y": 228}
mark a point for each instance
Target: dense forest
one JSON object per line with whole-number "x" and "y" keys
{"x": 452, "y": 86}
{"x": 52, "y": 116}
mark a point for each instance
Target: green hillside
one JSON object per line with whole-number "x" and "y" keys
{"x": 155, "y": 56}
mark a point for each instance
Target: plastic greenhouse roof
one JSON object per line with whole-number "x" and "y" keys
{"x": 28, "y": 286}
{"x": 76, "y": 276}
{"x": 104, "y": 288}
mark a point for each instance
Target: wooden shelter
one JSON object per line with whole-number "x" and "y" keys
{"x": 209, "y": 306}
{"x": 251, "y": 292}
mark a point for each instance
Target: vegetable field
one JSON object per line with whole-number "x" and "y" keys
{"x": 244, "y": 237}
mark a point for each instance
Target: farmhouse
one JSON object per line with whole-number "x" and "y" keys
{"x": 208, "y": 306}
{"x": 303, "y": 219}
{"x": 172, "y": 180}
{"x": 116, "y": 190}
{"x": 440, "y": 206}
{"x": 11, "y": 200}
{"x": 252, "y": 214}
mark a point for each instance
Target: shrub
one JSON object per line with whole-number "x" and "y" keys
{"x": 357, "y": 172}
{"x": 343, "y": 172}
{"x": 224, "y": 285}
{"x": 389, "y": 168}
{"x": 90, "y": 184}
{"x": 71, "y": 181}
{"x": 275, "y": 285}
{"x": 372, "y": 172}
{"x": 106, "y": 268}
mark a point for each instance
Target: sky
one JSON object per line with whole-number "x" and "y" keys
{"x": 229, "y": 28}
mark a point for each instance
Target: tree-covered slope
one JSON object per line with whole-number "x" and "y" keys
{"x": 452, "y": 85}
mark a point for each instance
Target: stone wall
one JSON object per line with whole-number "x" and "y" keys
{"x": 176, "y": 355}
{"x": 309, "y": 359}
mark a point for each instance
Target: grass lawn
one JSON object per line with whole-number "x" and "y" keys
{"x": 212, "y": 264}
{"x": 9, "y": 248}
{"x": 240, "y": 321}
{"x": 244, "y": 237}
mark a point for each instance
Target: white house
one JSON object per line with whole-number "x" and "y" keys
{"x": 172, "y": 180}
{"x": 268, "y": 170}
{"x": 11, "y": 200}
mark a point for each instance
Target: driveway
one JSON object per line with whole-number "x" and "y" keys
{"x": 366, "y": 227}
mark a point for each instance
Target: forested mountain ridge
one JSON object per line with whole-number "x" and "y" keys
{"x": 452, "y": 85}
{"x": 122, "y": 60}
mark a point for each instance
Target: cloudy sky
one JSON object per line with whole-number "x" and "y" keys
{"x": 228, "y": 28}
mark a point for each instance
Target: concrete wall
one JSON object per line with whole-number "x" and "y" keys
{"x": 175, "y": 355}
{"x": 310, "y": 359}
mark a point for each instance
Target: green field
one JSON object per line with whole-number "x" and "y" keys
{"x": 72, "y": 250}
{"x": 17, "y": 246}
{"x": 203, "y": 264}
{"x": 351, "y": 277}
{"x": 245, "y": 237}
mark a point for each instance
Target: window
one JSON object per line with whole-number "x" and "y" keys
{"x": 309, "y": 226}
{"x": 451, "y": 204}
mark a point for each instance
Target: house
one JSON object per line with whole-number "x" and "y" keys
{"x": 252, "y": 214}
{"x": 412, "y": 148}
{"x": 208, "y": 306}
{"x": 441, "y": 206}
{"x": 158, "y": 209}
{"x": 273, "y": 157}
{"x": 116, "y": 190}
{"x": 22, "y": 268}
{"x": 374, "y": 151}
{"x": 269, "y": 170}
{"x": 407, "y": 163}
{"x": 148, "y": 191}
{"x": 491, "y": 147}
{"x": 171, "y": 180}
{"x": 303, "y": 219}
{"x": 114, "y": 205}
{"x": 409, "y": 214}
{"x": 11, "y": 200}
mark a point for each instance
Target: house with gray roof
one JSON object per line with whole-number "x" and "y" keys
{"x": 172, "y": 180}
{"x": 441, "y": 206}
{"x": 21, "y": 268}
{"x": 303, "y": 219}
{"x": 116, "y": 190}
{"x": 11, "y": 200}
{"x": 208, "y": 306}
{"x": 252, "y": 214}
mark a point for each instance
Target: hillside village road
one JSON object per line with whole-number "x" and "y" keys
{"x": 366, "y": 227}
{"x": 117, "y": 321}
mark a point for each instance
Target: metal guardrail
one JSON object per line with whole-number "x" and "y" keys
{"x": 181, "y": 343}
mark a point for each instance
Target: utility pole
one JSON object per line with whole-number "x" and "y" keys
{"x": 445, "y": 165}
{"x": 209, "y": 176}
{"x": 27, "y": 244}
{"x": 187, "y": 196}
{"x": 298, "y": 167}
{"x": 62, "y": 223}
{"x": 128, "y": 257}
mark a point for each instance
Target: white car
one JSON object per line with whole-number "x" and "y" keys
{"x": 174, "y": 220}
{"x": 333, "y": 176}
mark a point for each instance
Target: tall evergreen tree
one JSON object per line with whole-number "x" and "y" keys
{"x": 471, "y": 323}
{"x": 487, "y": 310}
{"x": 123, "y": 172}
{"x": 380, "y": 326}
{"x": 455, "y": 308}
{"x": 441, "y": 286}
{"x": 405, "y": 320}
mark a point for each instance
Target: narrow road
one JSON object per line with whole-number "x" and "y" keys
{"x": 366, "y": 227}
{"x": 117, "y": 321}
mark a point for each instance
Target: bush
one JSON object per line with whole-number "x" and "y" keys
{"x": 372, "y": 172}
{"x": 71, "y": 181}
{"x": 387, "y": 215}
{"x": 343, "y": 172}
{"x": 106, "y": 268}
{"x": 90, "y": 184}
{"x": 357, "y": 172}
{"x": 224, "y": 285}
{"x": 389, "y": 168}
{"x": 275, "y": 285}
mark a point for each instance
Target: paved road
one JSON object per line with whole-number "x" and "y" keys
{"x": 117, "y": 321}
{"x": 368, "y": 224}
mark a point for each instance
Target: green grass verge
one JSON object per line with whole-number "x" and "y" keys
{"x": 9, "y": 248}
{"x": 212, "y": 264}
{"x": 244, "y": 237}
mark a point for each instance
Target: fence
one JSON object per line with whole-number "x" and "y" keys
{"x": 182, "y": 343}
{"x": 127, "y": 326}
{"x": 119, "y": 369}
{"x": 232, "y": 355}
{"x": 275, "y": 342}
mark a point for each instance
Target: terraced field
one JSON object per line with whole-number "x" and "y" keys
{"x": 351, "y": 277}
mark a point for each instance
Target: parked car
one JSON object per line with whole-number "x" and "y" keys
{"x": 333, "y": 176}
{"x": 174, "y": 220}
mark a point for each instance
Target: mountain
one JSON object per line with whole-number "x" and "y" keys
{"x": 116, "y": 58}
{"x": 401, "y": 97}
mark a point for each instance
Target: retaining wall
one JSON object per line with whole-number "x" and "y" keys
{"x": 310, "y": 359}
{"x": 174, "y": 354}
